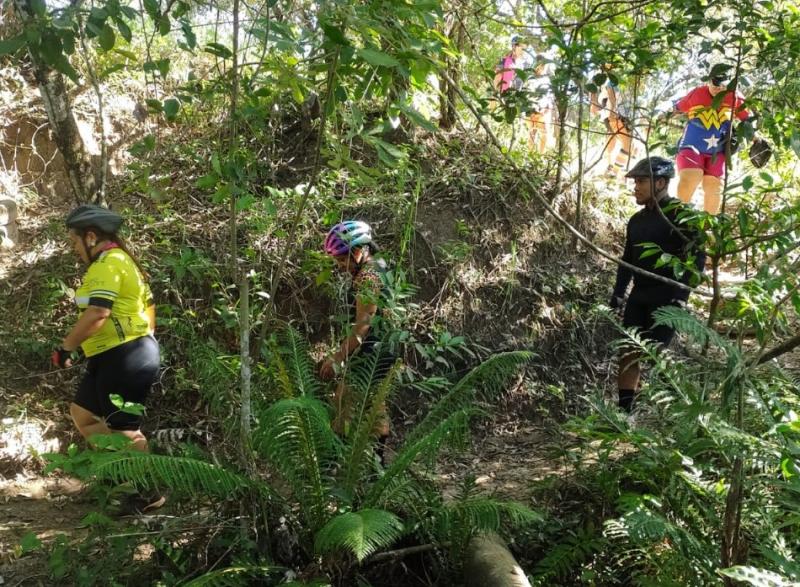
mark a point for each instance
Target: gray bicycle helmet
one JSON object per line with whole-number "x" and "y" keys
{"x": 653, "y": 167}
{"x": 92, "y": 216}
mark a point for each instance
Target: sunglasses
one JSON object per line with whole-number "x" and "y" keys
{"x": 720, "y": 82}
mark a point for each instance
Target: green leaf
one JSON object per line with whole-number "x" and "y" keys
{"x": 38, "y": 7}
{"x": 51, "y": 49}
{"x": 30, "y": 542}
{"x": 142, "y": 147}
{"x": 98, "y": 14}
{"x": 218, "y": 50}
{"x": 417, "y": 118}
{"x": 63, "y": 22}
{"x": 154, "y": 106}
{"x": 126, "y": 407}
{"x": 164, "y": 25}
{"x": 162, "y": 66}
{"x": 334, "y": 33}
{"x": 106, "y": 38}
{"x": 757, "y": 577}
{"x": 113, "y": 69}
{"x": 128, "y": 12}
{"x": 125, "y": 53}
{"x": 207, "y": 181}
{"x": 171, "y": 108}
{"x": 361, "y": 533}
{"x": 63, "y": 65}
{"x": 152, "y": 7}
{"x": 188, "y": 34}
{"x": 378, "y": 58}
{"x": 794, "y": 142}
{"x": 12, "y": 45}
{"x": 245, "y": 202}
{"x": 124, "y": 29}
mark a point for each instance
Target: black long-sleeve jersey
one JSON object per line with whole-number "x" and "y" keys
{"x": 671, "y": 233}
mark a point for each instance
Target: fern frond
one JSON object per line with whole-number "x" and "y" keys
{"x": 282, "y": 376}
{"x": 295, "y": 435}
{"x": 490, "y": 375}
{"x": 427, "y": 445}
{"x": 569, "y": 554}
{"x": 297, "y": 364}
{"x": 360, "y": 447}
{"x": 643, "y": 528}
{"x": 360, "y": 533}
{"x": 681, "y": 320}
{"x": 480, "y": 514}
{"x": 232, "y": 576}
{"x": 188, "y": 476}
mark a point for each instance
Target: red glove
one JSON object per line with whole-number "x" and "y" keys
{"x": 61, "y": 358}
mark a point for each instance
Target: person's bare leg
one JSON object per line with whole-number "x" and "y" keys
{"x": 624, "y": 155}
{"x": 548, "y": 136}
{"x": 688, "y": 180}
{"x": 87, "y": 423}
{"x": 629, "y": 371}
{"x": 628, "y": 380}
{"x": 138, "y": 440}
{"x": 712, "y": 194}
{"x": 533, "y": 130}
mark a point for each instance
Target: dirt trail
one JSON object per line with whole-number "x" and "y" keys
{"x": 45, "y": 506}
{"x": 504, "y": 463}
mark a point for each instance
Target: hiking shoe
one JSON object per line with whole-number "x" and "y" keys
{"x": 141, "y": 503}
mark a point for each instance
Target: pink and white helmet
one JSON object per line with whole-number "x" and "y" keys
{"x": 348, "y": 234}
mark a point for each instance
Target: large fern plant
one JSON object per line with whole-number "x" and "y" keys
{"x": 707, "y": 417}
{"x": 344, "y": 502}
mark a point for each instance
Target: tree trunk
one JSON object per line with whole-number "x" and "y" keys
{"x": 81, "y": 173}
{"x": 447, "y": 93}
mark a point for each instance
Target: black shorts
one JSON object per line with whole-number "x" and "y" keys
{"x": 640, "y": 315}
{"x": 128, "y": 370}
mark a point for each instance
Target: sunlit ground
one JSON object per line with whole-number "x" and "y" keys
{"x": 22, "y": 440}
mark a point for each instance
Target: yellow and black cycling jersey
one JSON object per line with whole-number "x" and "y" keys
{"x": 114, "y": 281}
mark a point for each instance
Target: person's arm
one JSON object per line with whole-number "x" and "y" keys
{"x": 612, "y": 99}
{"x": 594, "y": 104}
{"x": 498, "y": 81}
{"x": 685, "y": 104}
{"x": 624, "y": 275}
{"x": 88, "y": 324}
{"x": 365, "y": 312}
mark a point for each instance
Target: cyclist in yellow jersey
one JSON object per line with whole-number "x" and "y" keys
{"x": 115, "y": 330}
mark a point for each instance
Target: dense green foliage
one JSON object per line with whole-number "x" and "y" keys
{"x": 266, "y": 122}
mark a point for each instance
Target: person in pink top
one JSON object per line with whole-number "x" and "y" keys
{"x": 506, "y": 70}
{"x": 701, "y": 150}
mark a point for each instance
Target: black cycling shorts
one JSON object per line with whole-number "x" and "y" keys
{"x": 128, "y": 370}
{"x": 639, "y": 315}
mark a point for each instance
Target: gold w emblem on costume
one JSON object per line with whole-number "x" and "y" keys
{"x": 709, "y": 117}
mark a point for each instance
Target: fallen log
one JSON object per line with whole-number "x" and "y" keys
{"x": 489, "y": 563}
